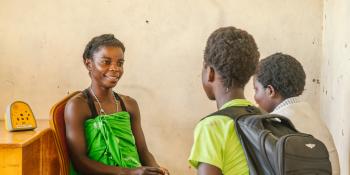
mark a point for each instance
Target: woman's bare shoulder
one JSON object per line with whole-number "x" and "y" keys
{"x": 127, "y": 99}
{"x": 77, "y": 106}
{"x": 77, "y": 99}
{"x": 130, "y": 104}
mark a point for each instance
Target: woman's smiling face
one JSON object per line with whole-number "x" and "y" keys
{"x": 106, "y": 66}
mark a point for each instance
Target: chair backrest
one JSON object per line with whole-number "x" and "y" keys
{"x": 58, "y": 126}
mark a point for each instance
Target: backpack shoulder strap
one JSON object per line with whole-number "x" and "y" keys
{"x": 236, "y": 112}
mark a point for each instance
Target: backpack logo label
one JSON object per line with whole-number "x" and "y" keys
{"x": 310, "y": 145}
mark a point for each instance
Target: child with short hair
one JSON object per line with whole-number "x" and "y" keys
{"x": 278, "y": 83}
{"x": 230, "y": 59}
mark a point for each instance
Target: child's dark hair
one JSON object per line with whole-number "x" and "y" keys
{"x": 284, "y": 73}
{"x": 99, "y": 41}
{"x": 234, "y": 54}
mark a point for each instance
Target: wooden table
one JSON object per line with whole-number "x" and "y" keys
{"x": 28, "y": 152}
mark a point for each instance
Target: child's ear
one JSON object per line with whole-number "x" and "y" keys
{"x": 211, "y": 76}
{"x": 270, "y": 90}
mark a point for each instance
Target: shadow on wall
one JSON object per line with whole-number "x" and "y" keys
{"x": 137, "y": 88}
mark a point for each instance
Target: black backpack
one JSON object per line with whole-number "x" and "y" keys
{"x": 273, "y": 146}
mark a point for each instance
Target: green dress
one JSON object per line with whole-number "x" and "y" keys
{"x": 109, "y": 140}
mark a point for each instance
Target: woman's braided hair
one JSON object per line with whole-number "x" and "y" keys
{"x": 99, "y": 41}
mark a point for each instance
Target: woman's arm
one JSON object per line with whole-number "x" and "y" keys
{"x": 146, "y": 157}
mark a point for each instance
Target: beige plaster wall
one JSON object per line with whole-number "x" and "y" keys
{"x": 335, "y": 76}
{"x": 42, "y": 42}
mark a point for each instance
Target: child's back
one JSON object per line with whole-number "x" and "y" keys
{"x": 230, "y": 59}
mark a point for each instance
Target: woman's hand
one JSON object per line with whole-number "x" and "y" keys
{"x": 144, "y": 170}
{"x": 165, "y": 171}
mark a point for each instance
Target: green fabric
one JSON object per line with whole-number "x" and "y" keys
{"x": 216, "y": 143}
{"x": 109, "y": 140}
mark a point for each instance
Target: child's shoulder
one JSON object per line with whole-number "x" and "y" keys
{"x": 215, "y": 121}
{"x": 218, "y": 126}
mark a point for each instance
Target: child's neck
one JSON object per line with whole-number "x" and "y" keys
{"x": 224, "y": 96}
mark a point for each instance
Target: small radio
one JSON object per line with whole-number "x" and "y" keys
{"x": 19, "y": 116}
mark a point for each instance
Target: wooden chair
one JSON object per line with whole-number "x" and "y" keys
{"x": 59, "y": 128}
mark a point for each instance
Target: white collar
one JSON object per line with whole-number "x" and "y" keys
{"x": 287, "y": 102}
